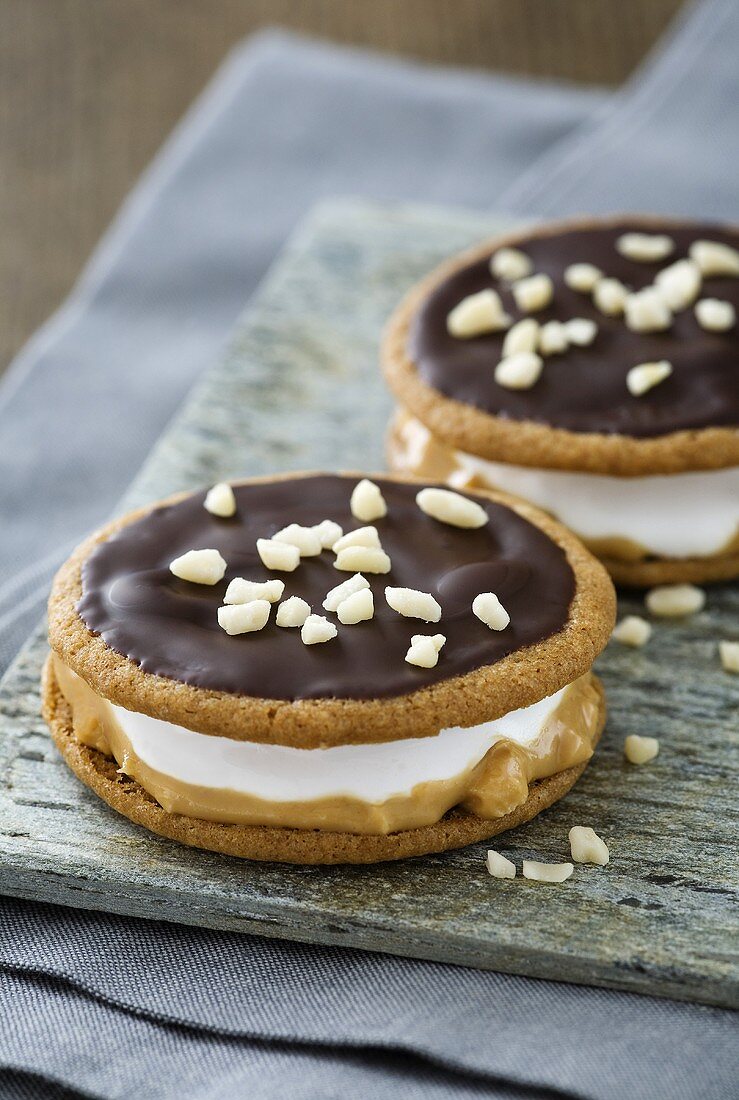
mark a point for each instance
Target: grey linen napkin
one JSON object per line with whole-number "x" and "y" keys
{"x": 109, "y": 1006}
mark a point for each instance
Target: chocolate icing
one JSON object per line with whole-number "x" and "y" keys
{"x": 584, "y": 390}
{"x": 169, "y": 627}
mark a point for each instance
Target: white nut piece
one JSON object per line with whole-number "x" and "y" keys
{"x": 510, "y": 264}
{"x": 647, "y": 311}
{"x": 547, "y": 872}
{"x": 452, "y": 508}
{"x": 357, "y": 608}
{"x": 645, "y": 376}
{"x": 523, "y": 336}
{"x": 679, "y": 284}
{"x": 673, "y": 601}
{"x": 367, "y": 502}
{"x": 633, "y": 631}
{"x": 489, "y": 610}
{"x": 729, "y": 655}
{"x": 640, "y": 750}
{"x": 363, "y": 559}
{"x": 553, "y": 338}
{"x": 220, "y": 500}
{"x": 199, "y": 566}
{"x": 241, "y": 590}
{"x": 328, "y": 533}
{"x": 424, "y": 650}
{"x": 714, "y": 258}
{"x": 413, "y": 604}
{"x": 498, "y": 866}
{"x": 305, "y": 538}
{"x": 714, "y": 315}
{"x": 520, "y": 371}
{"x": 477, "y": 314}
{"x": 581, "y": 331}
{"x": 363, "y": 536}
{"x": 344, "y": 590}
{"x": 609, "y": 296}
{"x": 281, "y": 556}
{"x": 533, "y": 293}
{"x": 582, "y": 277}
{"x": 292, "y": 612}
{"x": 645, "y": 247}
{"x": 587, "y": 847}
{"x": 317, "y": 629}
{"x": 243, "y": 618}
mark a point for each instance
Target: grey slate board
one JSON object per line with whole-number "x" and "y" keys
{"x": 300, "y": 389}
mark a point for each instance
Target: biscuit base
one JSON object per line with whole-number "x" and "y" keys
{"x": 654, "y": 571}
{"x": 261, "y": 842}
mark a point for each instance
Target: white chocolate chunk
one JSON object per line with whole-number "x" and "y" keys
{"x": 679, "y": 284}
{"x": 344, "y": 590}
{"x": 640, "y": 750}
{"x": 645, "y": 247}
{"x": 357, "y": 608}
{"x": 581, "y": 331}
{"x": 673, "y": 601}
{"x": 199, "y": 566}
{"x": 243, "y": 618}
{"x": 520, "y": 371}
{"x": 363, "y": 559}
{"x": 242, "y": 591}
{"x": 582, "y": 277}
{"x": 523, "y": 336}
{"x": 553, "y": 338}
{"x": 647, "y": 311}
{"x": 292, "y": 612}
{"x": 367, "y": 502}
{"x": 533, "y": 293}
{"x": 281, "y": 556}
{"x": 413, "y": 604}
{"x": 317, "y": 629}
{"x": 510, "y": 264}
{"x": 587, "y": 847}
{"x": 715, "y": 315}
{"x": 498, "y": 866}
{"x": 729, "y": 654}
{"x": 220, "y": 500}
{"x": 609, "y": 296}
{"x": 328, "y": 533}
{"x": 633, "y": 631}
{"x": 547, "y": 872}
{"x": 714, "y": 258}
{"x": 452, "y": 508}
{"x": 363, "y": 536}
{"x": 305, "y": 538}
{"x": 645, "y": 376}
{"x": 489, "y": 610}
{"x": 477, "y": 314}
{"x": 424, "y": 650}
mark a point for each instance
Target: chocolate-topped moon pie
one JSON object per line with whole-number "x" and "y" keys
{"x": 592, "y": 367}
{"x": 326, "y": 668}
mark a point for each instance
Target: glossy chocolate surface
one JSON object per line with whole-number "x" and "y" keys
{"x": 169, "y": 627}
{"x": 584, "y": 389}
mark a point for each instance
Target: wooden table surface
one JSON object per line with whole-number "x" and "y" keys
{"x": 89, "y": 89}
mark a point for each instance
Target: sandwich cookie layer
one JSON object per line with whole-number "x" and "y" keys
{"x": 125, "y": 620}
{"x": 372, "y": 789}
{"x": 626, "y": 363}
{"x": 317, "y": 846}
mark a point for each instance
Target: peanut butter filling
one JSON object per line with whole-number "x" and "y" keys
{"x": 412, "y": 449}
{"x": 493, "y": 787}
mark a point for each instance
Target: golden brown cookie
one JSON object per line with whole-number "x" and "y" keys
{"x": 152, "y": 644}
{"x": 123, "y": 794}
